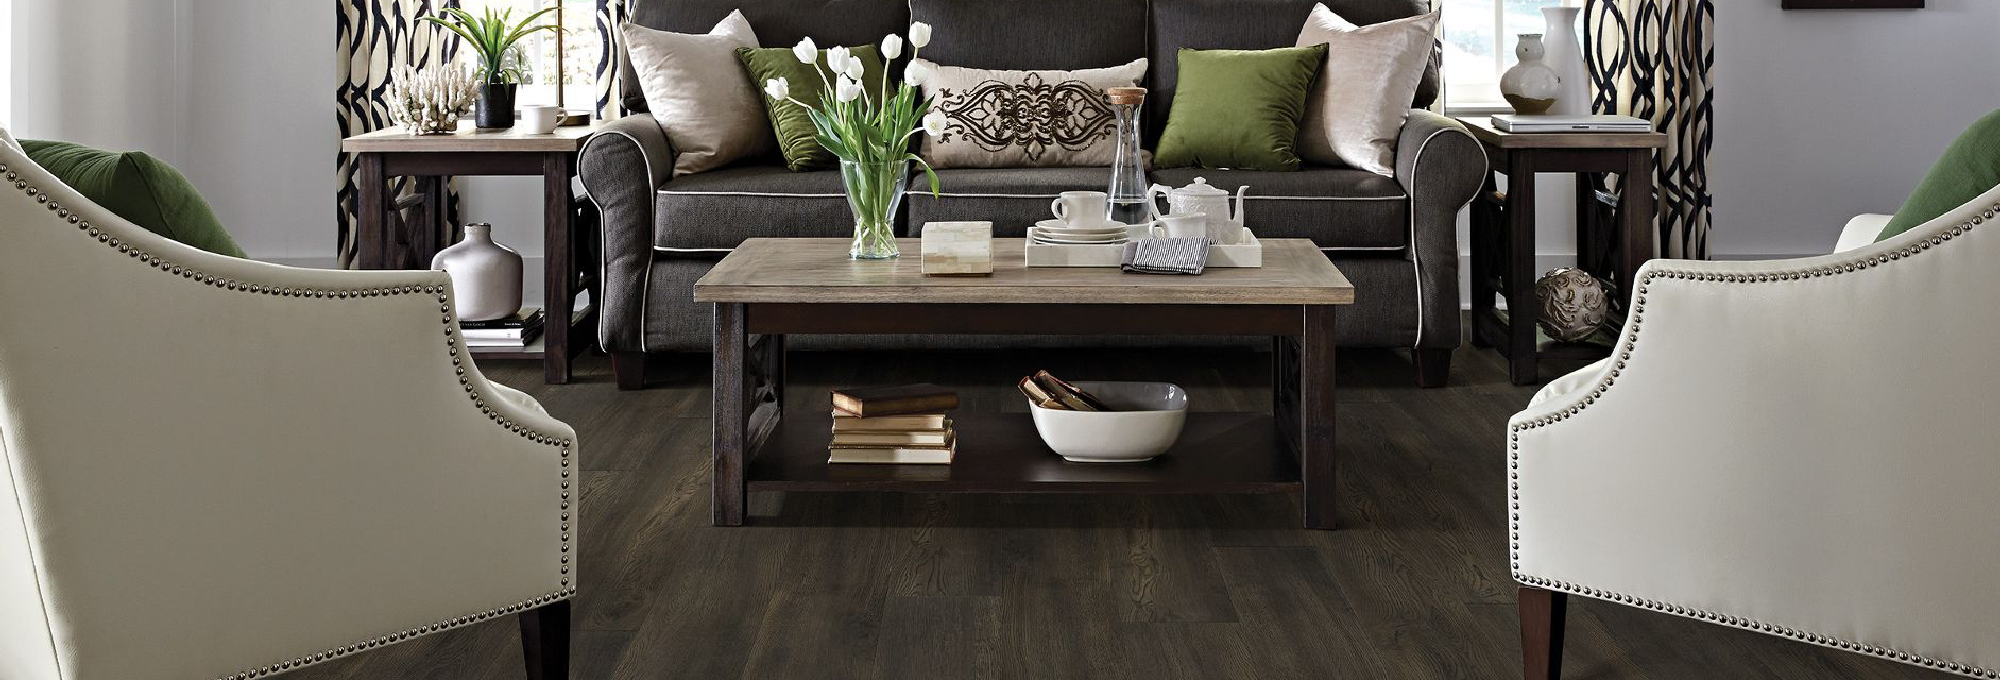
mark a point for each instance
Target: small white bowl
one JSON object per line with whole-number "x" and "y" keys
{"x": 1148, "y": 421}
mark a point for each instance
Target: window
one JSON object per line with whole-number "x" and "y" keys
{"x": 580, "y": 45}
{"x": 1479, "y": 46}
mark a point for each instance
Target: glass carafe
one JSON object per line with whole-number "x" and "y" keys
{"x": 1128, "y": 165}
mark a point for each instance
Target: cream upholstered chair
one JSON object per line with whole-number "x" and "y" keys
{"x": 216, "y": 468}
{"x": 1806, "y": 448}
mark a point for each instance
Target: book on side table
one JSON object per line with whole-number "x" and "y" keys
{"x": 514, "y": 330}
{"x": 897, "y": 425}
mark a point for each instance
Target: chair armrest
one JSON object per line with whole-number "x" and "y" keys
{"x": 1794, "y": 446}
{"x": 1441, "y": 167}
{"x": 213, "y": 446}
{"x": 621, "y": 168}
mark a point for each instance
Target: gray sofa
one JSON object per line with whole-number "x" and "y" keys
{"x": 1394, "y": 237}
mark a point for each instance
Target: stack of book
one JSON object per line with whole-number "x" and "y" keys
{"x": 515, "y": 330}
{"x": 907, "y": 424}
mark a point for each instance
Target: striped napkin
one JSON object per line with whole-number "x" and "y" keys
{"x": 1166, "y": 255}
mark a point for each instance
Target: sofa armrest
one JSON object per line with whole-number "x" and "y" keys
{"x": 1441, "y": 167}
{"x": 621, "y": 167}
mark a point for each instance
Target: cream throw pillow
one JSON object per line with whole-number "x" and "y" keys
{"x": 1024, "y": 119}
{"x": 696, "y": 88}
{"x": 1357, "y": 107}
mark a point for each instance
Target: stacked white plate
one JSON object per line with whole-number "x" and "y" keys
{"x": 1058, "y": 232}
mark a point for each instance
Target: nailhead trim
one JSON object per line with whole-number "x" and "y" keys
{"x": 1631, "y": 341}
{"x": 451, "y": 346}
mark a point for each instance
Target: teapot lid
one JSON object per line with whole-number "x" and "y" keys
{"x": 1201, "y": 187}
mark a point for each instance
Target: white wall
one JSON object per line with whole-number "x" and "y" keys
{"x": 121, "y": 85}
{"x": 1824, "y": 114}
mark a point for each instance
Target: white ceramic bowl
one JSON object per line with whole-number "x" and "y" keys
{"x": 1148, "y": 421}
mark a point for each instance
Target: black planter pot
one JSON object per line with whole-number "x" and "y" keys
{"x": 495, "y": 108}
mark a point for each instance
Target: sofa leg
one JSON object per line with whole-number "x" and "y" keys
{"x": 1433, "y": 366}
{"x": 1542, "y": 633}
{"x": 545, "y": 641}
{"x": 630, "y": 369}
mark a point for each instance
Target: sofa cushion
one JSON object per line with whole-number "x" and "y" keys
{"x": 718, "y": 209}
{"x": 1338, "y": 208}
{"x": 1024, "y": 119}
{"x": 778, "y": 24}
{"x": 1034, "y": 34}
{"x": 1011, "y": 198}
{"x": 798, "y": 139}
{"x": 1968, "y": 168}
{"x": 1250, "y": 25}
{"x": 1239, "y": 108}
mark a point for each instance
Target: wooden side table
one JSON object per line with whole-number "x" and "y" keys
{"x": 1503, "y": 231}
{"x": 473, "y": 151}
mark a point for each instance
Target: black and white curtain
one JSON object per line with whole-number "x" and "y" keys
{"x": 1653, "y": 59}
{"x": 610, "y": 13}
{"x": 375, "y": 37}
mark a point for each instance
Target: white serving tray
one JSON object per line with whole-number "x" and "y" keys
{"x": 1249, "y": 253}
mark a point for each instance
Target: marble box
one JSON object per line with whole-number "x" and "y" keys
{"x": 957, "y": 248}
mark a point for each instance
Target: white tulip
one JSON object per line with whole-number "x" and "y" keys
{"x": 846, "y": 90}
{"x": 837, "y": 58}
{"x": 892, "y": 47}
{"x": 779, "y": 88}
{"x": 806, "y": 51}
{"x": 934, "y": 123}
{"x": 915, "y": 74}
{"x": 854, "y": 69}
{"x": 920, "y": 34}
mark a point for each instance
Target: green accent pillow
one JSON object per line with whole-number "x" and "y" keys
{"x": 1239, "y": 108}
{"x": 793, "y": 127}
{"x": 1969, "y": 167}
{"x": 137, "y": 187}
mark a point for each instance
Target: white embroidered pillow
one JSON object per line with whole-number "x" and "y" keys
{"x": 1024, "y": 119}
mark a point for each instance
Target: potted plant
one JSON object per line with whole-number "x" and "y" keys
{"x": 870, "y": 132}
{"x": 492, "y": 36}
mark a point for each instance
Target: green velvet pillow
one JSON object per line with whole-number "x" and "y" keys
{"x": 793, "y": 127}
{"x": 137, "y": 187}
{"x": 1239, "y": 108}
{"x": 1969, "y": 167}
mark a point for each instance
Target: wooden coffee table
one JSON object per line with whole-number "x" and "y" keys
{"x": 769, "y": 288}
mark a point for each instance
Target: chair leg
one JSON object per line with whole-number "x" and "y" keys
{"x": 1433, "y": 366}
{"x": 630, "y": 369}
{"x": 545, "y": 641}
{"x": 1542, "y": 633}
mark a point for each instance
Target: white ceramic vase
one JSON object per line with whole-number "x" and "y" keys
{"x": 1530, "y": 86}
{"x": 485, "y": 276}
{"x": 1565, "y": 55}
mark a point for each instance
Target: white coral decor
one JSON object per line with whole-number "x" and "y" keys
{"x": 430, "y": 102}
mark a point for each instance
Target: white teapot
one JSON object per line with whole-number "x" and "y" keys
{"x": 1224, "y": 225}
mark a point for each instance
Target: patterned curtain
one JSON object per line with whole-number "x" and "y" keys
{"x": 375, "y": 36}
{"x": 1653, "y": 59}
{"x": 610, "y": 13}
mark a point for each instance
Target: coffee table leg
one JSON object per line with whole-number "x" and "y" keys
{"x": 729, "y": 417}
{"x": 1315, "y": 416}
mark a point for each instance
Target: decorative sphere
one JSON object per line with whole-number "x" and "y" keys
{"x": 1573, "y": 304}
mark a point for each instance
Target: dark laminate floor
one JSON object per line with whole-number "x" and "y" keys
{"x": 1414, "y": 585}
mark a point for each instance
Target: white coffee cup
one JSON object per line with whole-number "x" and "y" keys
{"x": 1182, "y": 225}
{"x": 1082, "y": 208}
{"x": 540, "y": 119}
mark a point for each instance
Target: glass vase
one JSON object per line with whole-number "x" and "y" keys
{"x": 874, "y": 190}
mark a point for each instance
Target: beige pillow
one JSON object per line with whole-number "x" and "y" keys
{"x": 696, "y": 88}
{"x": 1024, "y": 119}
{"x": 1358, "y": 105}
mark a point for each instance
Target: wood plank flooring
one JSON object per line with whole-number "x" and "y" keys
{"x": 1413, "y": 585}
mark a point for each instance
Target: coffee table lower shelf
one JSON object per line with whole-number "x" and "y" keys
{"x": 1218, "y": 452}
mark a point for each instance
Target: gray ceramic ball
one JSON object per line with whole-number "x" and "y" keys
{"x": 1573, "y": 304}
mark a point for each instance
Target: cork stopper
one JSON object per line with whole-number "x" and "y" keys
{"x": 1126, "y": 96}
